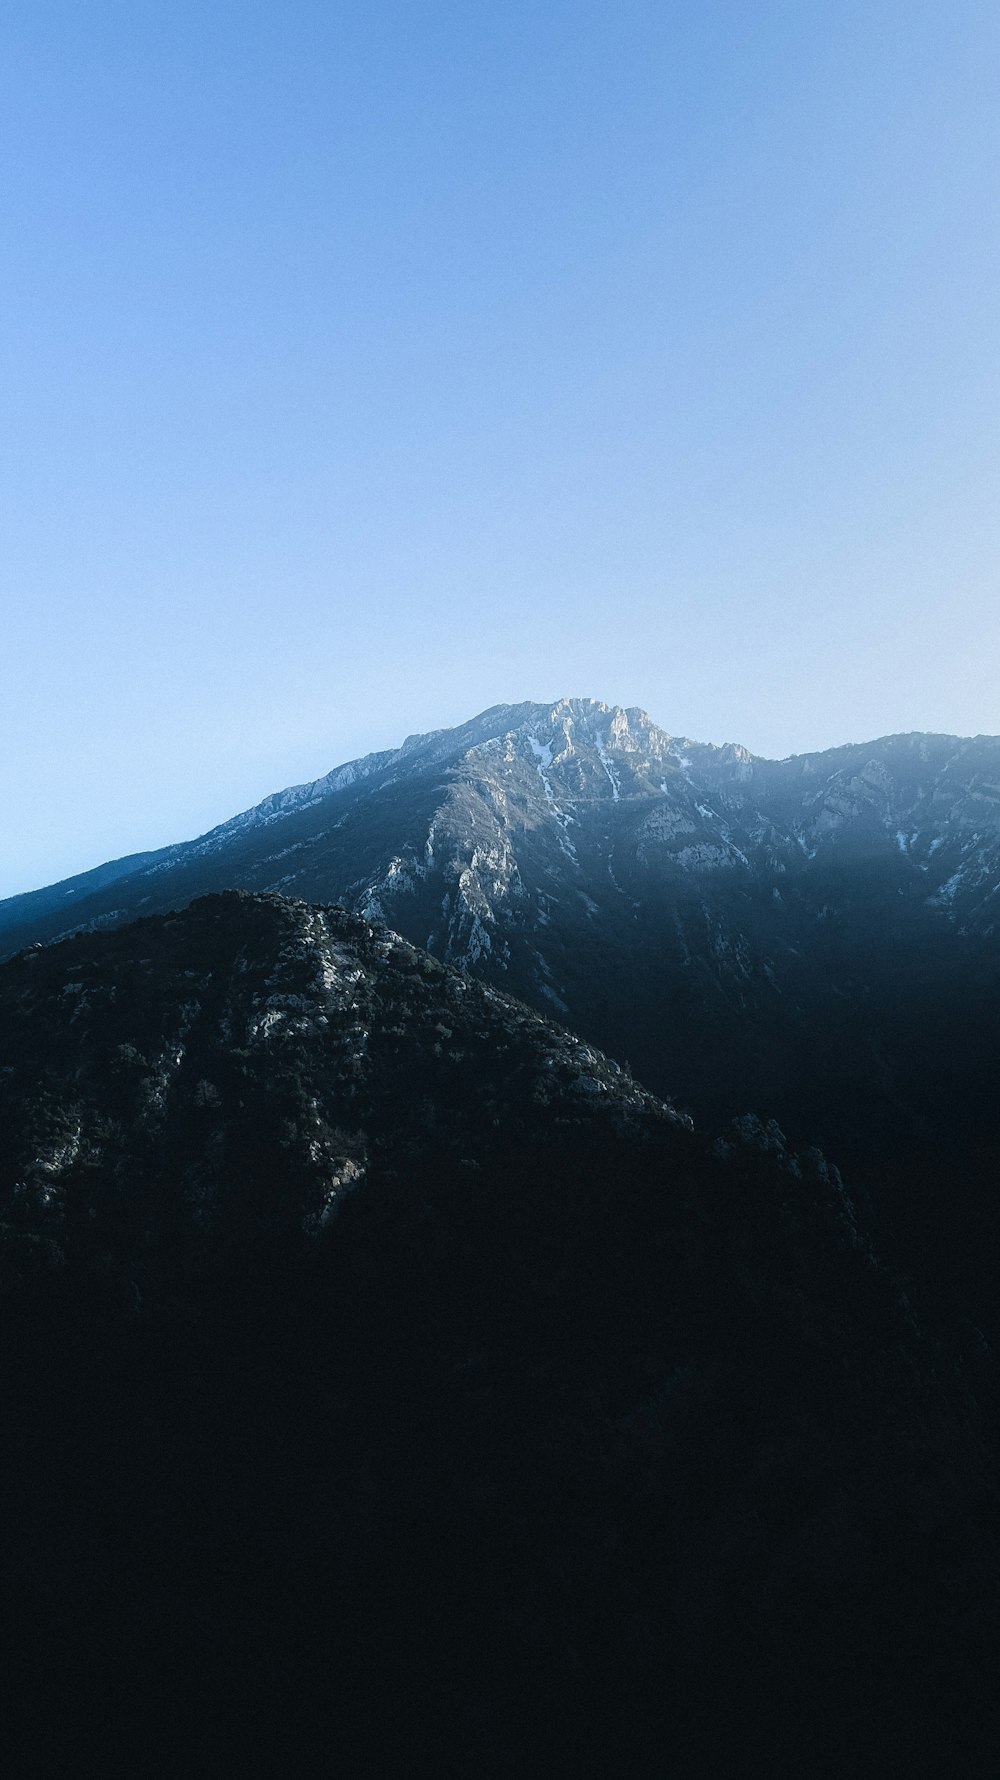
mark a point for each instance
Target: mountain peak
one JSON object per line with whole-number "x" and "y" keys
{"x": 472, "y": 839}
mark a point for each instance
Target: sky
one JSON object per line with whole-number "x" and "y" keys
{"x": 365, "y": 365}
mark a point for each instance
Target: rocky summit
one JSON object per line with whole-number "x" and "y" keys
{"x": 467, "y": 838}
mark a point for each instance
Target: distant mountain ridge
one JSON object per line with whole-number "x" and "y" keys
{"x": 935, "y": 800}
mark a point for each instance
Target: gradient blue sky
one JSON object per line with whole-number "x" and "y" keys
{"x": 362, "y": 365}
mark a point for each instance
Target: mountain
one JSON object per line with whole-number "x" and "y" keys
{"x": 458, "y": 830}
{"x": 390, "y": 1385}
{"x": 814, "y": 939}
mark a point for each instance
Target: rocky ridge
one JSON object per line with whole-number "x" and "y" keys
{"x": 259, "y": 1052}
{"x": 526, "y": 791}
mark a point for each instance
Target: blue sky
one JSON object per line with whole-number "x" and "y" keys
{"x": 365, "y": 365}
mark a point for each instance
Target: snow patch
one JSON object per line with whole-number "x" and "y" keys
{"x": 613, "y": 779}
{"x": 543, "y": 756}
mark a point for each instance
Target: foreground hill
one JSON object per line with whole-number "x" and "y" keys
{"x": 391, "y": 1386}
{"x": 252, "y": 1058}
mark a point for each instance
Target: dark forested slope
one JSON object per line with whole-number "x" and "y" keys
{"x": 391, "y": 1386}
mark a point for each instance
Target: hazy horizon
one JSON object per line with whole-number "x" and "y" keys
{"x": 362, "y": 369}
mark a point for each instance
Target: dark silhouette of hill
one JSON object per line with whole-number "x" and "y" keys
{"x": 391, "y": 1386}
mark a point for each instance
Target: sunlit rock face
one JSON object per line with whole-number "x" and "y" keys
{"x": 474, "y": 827}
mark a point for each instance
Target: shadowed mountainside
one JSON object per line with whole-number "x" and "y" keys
{"x": 389, "y": 1384}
